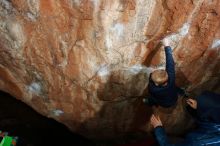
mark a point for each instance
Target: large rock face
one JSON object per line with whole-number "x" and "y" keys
{"x": 85, "y": 63}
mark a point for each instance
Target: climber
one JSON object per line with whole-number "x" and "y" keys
{"x": 161, "y": 87}
{"x": 207, "y": 117}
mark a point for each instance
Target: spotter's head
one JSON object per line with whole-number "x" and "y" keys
{"x": 159, "y": 77}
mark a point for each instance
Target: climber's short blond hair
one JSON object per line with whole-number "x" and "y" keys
{"x": 159, "y": 77}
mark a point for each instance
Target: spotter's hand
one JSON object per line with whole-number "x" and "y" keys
{"x": 155, "y": 121}
{"x": 192, "y": 103}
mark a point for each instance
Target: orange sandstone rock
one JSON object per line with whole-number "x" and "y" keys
{"x": 86, "y": 63}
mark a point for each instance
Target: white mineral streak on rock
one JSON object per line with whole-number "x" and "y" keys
{"x": 57, "y": 112}
{"x": 34, "y": 88}
{"x": 64, "y": 47}
{"x": 135, "y": 69}
{"x": 216, "y": 43}
{"x": 143, "y": 10}
{"x": 185, "y": 29}
{"x": 121, "y": 36}
{"x": 103, "y": 71}
{"x": 16, "y": 34}
{"x": 114, "y": 33}
{"x": 175, "y": 38}
{"x": 77, "y": 2}
{"x": 6, "y": 4}
{"x": 34, "y": 7}
{"x": 96, "y": 4}
{"x": 118, "y": 30}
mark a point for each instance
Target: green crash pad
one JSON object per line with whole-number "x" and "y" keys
{"x": 6, "y": 141}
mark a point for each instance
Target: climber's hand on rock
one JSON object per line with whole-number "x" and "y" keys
{"x": 155, "y": 121}
{"x": 166, "y": 42}
{"x": 192, "y": 103}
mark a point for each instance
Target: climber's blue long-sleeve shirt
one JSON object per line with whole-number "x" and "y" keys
{"x": 165, "y": 95}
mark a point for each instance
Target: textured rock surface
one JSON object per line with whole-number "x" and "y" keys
{"x": 85, "y": 63}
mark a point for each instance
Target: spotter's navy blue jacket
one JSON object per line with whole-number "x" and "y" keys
{"x": 208, "y": 120}
{"x": 165, "y": 96}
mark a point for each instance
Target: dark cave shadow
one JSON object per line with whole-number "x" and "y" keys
{"x": 114, "y": 129}
{"x": 33, "y": 129}
{"x": 115, "y": 92}
{"x": 147, "y": 61}
{"x": 122, "y": 118}
{"x": 181, "y": 79}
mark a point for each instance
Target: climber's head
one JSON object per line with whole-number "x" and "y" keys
{"x": 159, "y": 77}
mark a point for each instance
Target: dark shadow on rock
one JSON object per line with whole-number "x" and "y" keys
{"x": 120, "y": 122}
{"x": 181, "y": 79}
{"x": 32, "y": 128}
{"x": 122, "y": 85}
{"x": 147, "y": 61}
{"x": 123, "y": 115}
